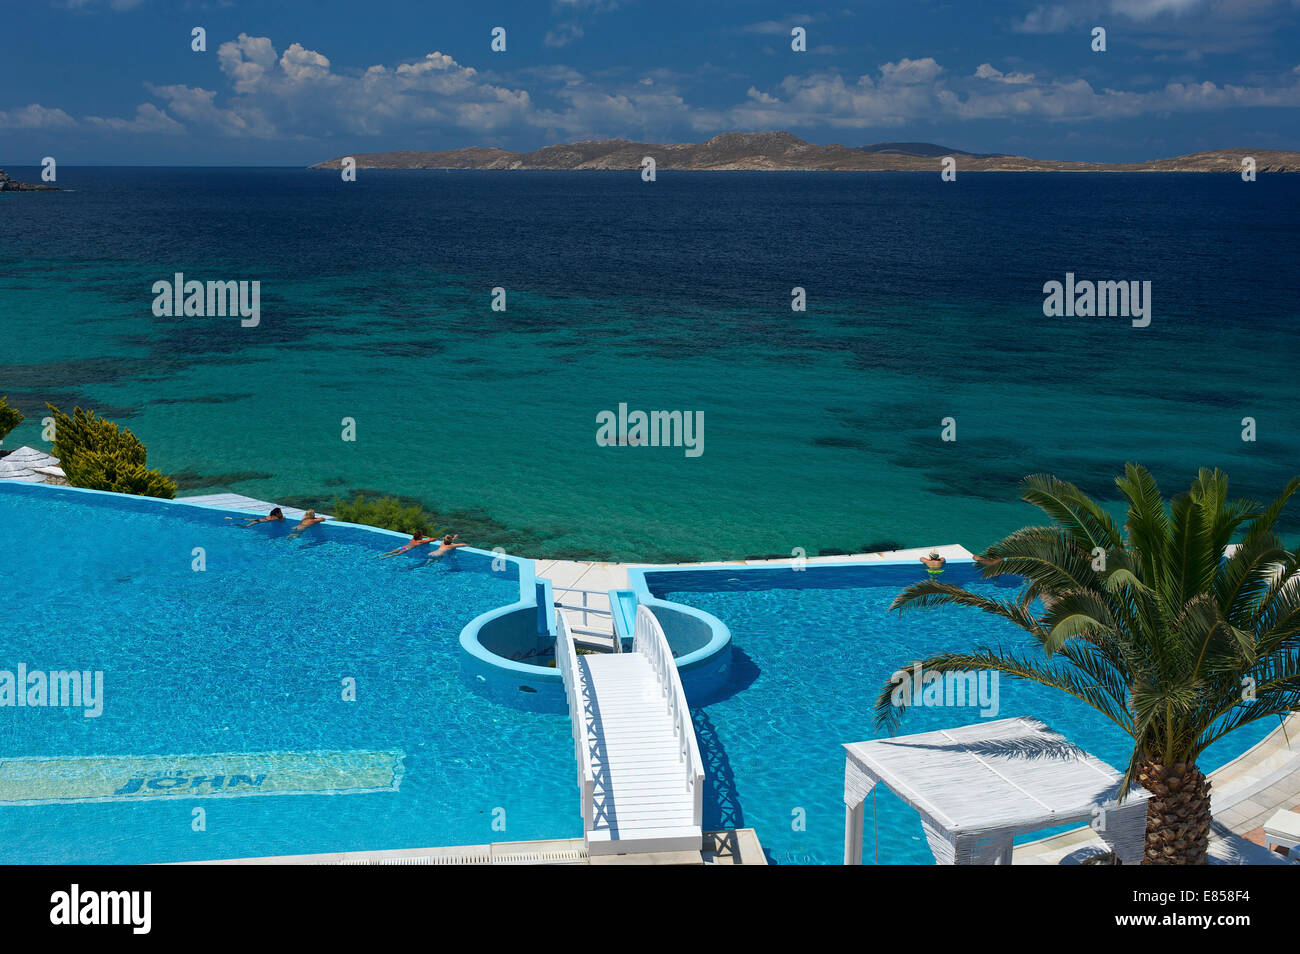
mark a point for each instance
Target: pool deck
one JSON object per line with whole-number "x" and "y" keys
{"x": 738, "y": 847}
{"x": 1243, "y": 795}
{"x": 246, "y": 504}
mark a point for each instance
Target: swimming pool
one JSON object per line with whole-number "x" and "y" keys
{"x": 310, "y": 698}
{"x": 231, "y": 680}
{"x": 810, "y": 651}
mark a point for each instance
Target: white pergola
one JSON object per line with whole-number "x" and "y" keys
{"x": 978, "y": 786}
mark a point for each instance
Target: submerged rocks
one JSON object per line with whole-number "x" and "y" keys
{"x": 13, "y": 185}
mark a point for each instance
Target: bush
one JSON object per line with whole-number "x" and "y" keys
{"x": 387, "y": 512}
{"x": 97, "y": 454}
{"x": 9, "y": 418}
{"x": 105, "y": 471}
{"x": 84, "y": 432}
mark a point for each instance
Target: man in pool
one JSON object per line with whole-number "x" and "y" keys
{"x": 272, "y": 517}
{"x": 448, "y": 544}
{"x": 933, "y": 563}
{"x": 417, "y": 540}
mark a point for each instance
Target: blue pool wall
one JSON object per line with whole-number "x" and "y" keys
{"x": 700, "y": 641}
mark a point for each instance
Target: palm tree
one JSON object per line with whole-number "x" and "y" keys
{"x": 1150, "y": 625}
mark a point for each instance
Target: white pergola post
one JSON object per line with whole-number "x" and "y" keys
{"x": 854, "y": 815}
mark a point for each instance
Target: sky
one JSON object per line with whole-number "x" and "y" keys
{"x": 297, "y": 81}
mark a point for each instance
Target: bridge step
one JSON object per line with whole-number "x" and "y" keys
{"x": 641, "y": 800}
{"x": 641, "y": 777}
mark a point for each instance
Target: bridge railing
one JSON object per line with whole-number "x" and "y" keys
{"x": 650, "y": 641}
{"x": 566, "y": 659}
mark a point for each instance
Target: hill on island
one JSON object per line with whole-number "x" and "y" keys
{"x": 783, "y": 151}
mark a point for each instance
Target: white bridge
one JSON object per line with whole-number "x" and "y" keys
{"x": 639, "y": 767}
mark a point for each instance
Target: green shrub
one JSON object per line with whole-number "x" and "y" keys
{"x": 9, "y": 418}
{"x": 386, "y": 512}
{"x": 97, "y": 454}
{"x": 83, "y": 432}
{"x": 103, "y": 471}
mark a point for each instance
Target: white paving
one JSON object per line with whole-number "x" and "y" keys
{"x": 246, "y": 504}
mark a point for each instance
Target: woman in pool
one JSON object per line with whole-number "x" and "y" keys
{"x": 272, "y": 517}
{"x": 417, "y": 540}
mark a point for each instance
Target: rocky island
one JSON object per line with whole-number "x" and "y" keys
{"x": 783, "y": 151}
{"x": 13, "y": 185}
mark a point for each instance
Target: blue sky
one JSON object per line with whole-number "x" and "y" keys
{"x": 290, "y": 83}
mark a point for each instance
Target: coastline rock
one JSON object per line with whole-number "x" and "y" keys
{"x": 13, "y": 185}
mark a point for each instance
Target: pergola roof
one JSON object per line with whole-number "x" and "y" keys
{"x": 993, "y": 778}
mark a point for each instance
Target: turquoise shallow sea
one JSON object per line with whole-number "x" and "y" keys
{"x": 821, "y": 429}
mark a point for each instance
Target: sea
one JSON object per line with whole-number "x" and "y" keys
{"x": 455, "y": 337}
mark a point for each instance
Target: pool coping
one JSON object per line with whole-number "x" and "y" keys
{"x": 732, "y": 846}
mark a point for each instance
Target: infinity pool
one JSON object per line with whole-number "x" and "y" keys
{"x": 810, "y": 653}
{"x": 268, "y": 694}
{"x": 231, "y": 680}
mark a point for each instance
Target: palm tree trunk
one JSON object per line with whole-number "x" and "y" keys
{"x": 1178, "y": 814}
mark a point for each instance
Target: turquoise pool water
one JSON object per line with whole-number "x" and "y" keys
{"x": 249, "y": 656}
{"x": 810, "y": 653}
{"x": 247, "y": 659}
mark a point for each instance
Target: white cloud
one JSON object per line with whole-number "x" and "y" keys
{"x": 910, "y": 71}
{"x": 827, "y": 99}
{"x": 1149, "y": 9}
{"x": 563, "y": 35}
{"x": 1055, "y": 19}
{"x": 300, "y": 94}
{"x": 247, "y": 61}
{"x": 301, "y": 64}
{"x": 35, "y": 116}
{"x": 777, "y": 27}
{"x": 988, "y": 72}
{"x": 148, "y": 119}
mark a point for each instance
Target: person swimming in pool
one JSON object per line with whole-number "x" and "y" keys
{"x": 933, "y": 563}
{"x": 275, "y": 515}
{"x": 417, "y": 540}
{"x": 448, "y": 544}
{"x": 309, "y": 519}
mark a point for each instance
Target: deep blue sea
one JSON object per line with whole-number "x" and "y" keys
{"x": 822, "y": 428}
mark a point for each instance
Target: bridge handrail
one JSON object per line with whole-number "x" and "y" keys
{"x": 649, "y": 640}
{"x": 586, "y": 609}
{"x": 566, "y": 658}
